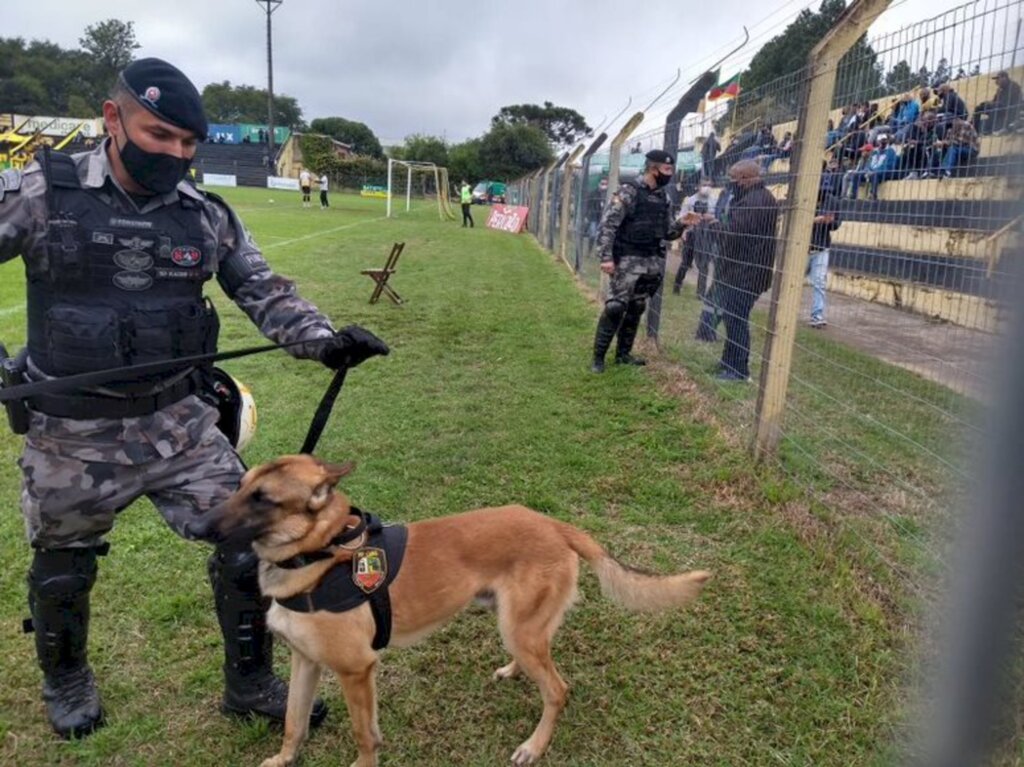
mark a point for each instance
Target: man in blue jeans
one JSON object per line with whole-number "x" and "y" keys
{"x": 881, "y": 165}
{"x": 826, "y": 220}
{"x": 745, "y": 264}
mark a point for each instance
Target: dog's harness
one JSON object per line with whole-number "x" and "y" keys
{"x": 365, "y": 578}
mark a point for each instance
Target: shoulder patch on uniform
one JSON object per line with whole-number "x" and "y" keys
{"x": 10, "y": 182}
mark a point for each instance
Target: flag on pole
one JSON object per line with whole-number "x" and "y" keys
{"x": 730, "y": 89}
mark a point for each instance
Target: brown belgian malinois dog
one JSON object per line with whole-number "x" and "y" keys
{"x": 290, "y": 508}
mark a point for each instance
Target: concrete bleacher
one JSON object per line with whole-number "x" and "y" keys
{"x": 932, "y": 246}
{"x": 247, "y": 162}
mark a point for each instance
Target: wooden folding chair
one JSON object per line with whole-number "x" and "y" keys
{"x": 382, "y": 275}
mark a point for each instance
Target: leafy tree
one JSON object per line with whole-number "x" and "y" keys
{"x": 900, "y": 78}
{"x": 227, "y": 103}
{"x": 464, "y": 161}
{"x": 425, "y": 149}
{"x": 562, "y": 126}
{"x": 111, "y": 44}
{"x": 510, "y": 151}
{"x": 358, "y": 135}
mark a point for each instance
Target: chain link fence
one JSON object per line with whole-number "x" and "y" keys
{"x": 884, "y": 193}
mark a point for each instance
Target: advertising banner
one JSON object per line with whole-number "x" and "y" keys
{"x": 219, "y": 179}
{"x": 508, "y": 218}
{"x": 283, "y": 182}
{"x": 57, "y": 126}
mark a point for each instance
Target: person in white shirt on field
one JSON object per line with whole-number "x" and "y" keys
{"x": 305, "y": 182}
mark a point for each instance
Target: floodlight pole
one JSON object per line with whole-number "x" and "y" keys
{"x": 271, "y": 6}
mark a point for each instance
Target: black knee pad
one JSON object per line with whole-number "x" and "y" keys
{"x": 615, "y": 311}
{"x": 62, "y": 573}
{"x": 237, "y": 569}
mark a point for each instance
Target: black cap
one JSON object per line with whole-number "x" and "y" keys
{"x": 660, "y": 155}
{"x": 164, "y": 90}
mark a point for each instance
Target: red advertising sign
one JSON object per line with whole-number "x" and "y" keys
{"x": 508, "y": 218}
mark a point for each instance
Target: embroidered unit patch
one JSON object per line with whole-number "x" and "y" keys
{"x": 369, "y": 569}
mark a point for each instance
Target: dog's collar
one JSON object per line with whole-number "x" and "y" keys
{"x": 347, "y": 535}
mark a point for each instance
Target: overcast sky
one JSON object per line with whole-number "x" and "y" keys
{"x": 441, "y": 67}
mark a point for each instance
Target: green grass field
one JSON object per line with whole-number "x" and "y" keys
{"x": 795, "y": 655}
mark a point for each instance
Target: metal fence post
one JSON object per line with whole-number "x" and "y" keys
{"x": 563, "y": 218}
{"x": 805, "y": 169}
{"x": 545, "y": 200}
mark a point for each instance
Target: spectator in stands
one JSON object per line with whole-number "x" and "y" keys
{"x": 918, "y": 146}
{"x": 904, "y": 116}
{"x": 929, "y": 99}
{"x": 880, "y": 166}
{"x": 781, "y": 152}
{"x": 744, "y": 269}
{"x": 306, "y": 185}
{"x": 826, "y": 221}
{"x": 959, "y": 148}
{"x": 832, "y": 135}
{"x": 1003, "y": 112}
{"x": 708, "y": 153}
{"x": 951, "y": 107}
{"x": 323, "y": 183}
{"x": 700, "y": 240}
{"x": 832, "y": 176}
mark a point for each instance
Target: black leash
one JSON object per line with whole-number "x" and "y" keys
{"x": 97, "y": 377}
{"x": 81, "y": 381}
{"x": 323, "y": 411}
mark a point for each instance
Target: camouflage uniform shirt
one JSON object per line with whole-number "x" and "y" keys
{"x": 269, "y": 300}
{"x": 622, "y": 204}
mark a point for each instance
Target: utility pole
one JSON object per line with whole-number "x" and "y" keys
{"x": 271, "y": 6}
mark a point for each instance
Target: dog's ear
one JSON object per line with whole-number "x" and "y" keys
{"x": 322, "y": 493}
{"x": 335, "y": 471}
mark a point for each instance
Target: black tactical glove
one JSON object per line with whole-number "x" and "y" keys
{"x": 351, "y": 346}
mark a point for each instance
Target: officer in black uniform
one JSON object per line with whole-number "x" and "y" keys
{"x": 117, "y": 248}
{"x": 631, "y": 247}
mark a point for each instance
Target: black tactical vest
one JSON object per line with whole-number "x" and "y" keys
{"x": 642, "y": 231}
{"x": 116, "y": 288}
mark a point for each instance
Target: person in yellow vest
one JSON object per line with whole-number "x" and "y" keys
{"x": 466, "y": 196}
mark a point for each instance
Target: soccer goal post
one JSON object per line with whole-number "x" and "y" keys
{"x": 409, "y": 179}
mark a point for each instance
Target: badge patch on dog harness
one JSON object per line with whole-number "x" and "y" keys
{"x": 369, "y": 569}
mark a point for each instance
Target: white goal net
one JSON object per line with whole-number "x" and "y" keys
{"x": 411, "y": 185}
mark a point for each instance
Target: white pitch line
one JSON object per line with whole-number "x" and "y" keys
{"x": 325, "y": 231}
{"x": 12, "y": 310}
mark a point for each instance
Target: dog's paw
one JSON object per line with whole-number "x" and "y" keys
{"x": 524, "y": 755}
{"x": 506, "y": 672}
{"x": 276, "y": 761}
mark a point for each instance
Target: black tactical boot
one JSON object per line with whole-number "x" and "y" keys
{"x": 250, "y": 686}
{"x": 627, "y": 335}
{"x": 59, "y": 582}
{"x": 607, "y": 325}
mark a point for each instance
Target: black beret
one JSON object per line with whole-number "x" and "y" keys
{"x": 164, "y": 90}
{"x": 660, "y": 155}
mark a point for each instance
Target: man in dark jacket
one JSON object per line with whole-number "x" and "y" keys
{"x": 1003, "y": 111}
{"x": 708, "y": 153}
{"x": 745, "y": 263}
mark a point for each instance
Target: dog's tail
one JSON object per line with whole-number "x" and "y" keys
{"x": 631, "y": 588}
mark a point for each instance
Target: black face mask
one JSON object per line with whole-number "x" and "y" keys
{"x": 661, "y": 179}
{"x": 158, "y": 173}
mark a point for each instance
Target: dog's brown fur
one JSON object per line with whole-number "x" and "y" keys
{"x": 529, "y": 562}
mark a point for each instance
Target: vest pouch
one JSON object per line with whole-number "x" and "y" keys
{"x": 642, "y": 233}
{"x": 82, "y": 339}
{"x": 176, "y": 331}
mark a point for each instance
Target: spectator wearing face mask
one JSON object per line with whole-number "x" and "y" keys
{"x": 880, "y": 166}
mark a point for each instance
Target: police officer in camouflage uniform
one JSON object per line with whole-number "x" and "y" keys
{"x": 630, "y": 244}
{"x": 117, "y": 246}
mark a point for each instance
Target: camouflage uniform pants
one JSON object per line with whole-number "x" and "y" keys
{"x": 636, "y": 278}
{"x": 68, "y": 501}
